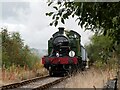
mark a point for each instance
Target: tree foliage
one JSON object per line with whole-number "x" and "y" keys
{"x": 99, "y": 47}
{"x": 103, "y": 17}
{"x": 99, "y": 51}
{"x": 15, "y": 52}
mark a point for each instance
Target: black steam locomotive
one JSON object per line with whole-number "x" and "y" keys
{"x": 65, "y": 53}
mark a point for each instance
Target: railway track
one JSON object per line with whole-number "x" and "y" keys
{"x": 35, "y": 84}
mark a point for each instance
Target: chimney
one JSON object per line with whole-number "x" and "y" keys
{"x": 61, "y": 30}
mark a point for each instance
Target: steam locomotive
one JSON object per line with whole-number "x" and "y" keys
{"x": 65, "y": 53}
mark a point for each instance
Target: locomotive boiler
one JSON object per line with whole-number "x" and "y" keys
{"x": 65, "y": 53}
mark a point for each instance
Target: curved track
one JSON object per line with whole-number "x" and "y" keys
{"x": 36, "y": 83}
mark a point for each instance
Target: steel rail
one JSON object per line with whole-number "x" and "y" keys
{"x": 21, "y": 83}
{"x": 50, "y": 84}
{"x": 27, "y": 84}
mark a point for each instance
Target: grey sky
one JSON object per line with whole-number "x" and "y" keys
{"x": 28, "y": 18}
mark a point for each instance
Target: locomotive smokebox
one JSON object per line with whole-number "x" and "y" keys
{"x": 61, "y": 30}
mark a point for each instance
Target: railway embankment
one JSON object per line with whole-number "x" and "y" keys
{"x": 92, "y": 78}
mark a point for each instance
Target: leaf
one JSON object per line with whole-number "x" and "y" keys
{"x": 65, "y": 16}
{"x": 59, "y": 2}
{"x": 73, "y": 15}
{"x": 59, "y": 13}
{"x": 79, "y": 22}
{"x": 105, "y": 32}
{"x": 53, "y": 16}
{"x": 62, "y": 20}
{"x": 46, "y": 14}
{"x": 51, "y": 24}
{"x": 78, "y": 19}
{"x": 49, "y": 3}
{"x": 86, "y": 25}
{"x": 55, "y": 7}
{"x": 56, "y": 23}
{"x": 82, "y": 23}
{"x": 57, "y": 18}
{"x": 49, "y": 14}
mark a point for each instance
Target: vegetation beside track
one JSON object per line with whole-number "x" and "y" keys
{"x": 102, "y": 57}
{"x": 90, "y": 78}
{"x": 18, "y": 62}
{"x": 100, "y": 53}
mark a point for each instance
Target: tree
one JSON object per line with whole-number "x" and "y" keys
{"x": 99, "y": 53}
{"x": 14, "y": 51}
{"x": 98, "y": 49}
{"x": 101, "y": 17}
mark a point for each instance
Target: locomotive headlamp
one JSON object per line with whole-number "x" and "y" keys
{"x": 71, "y": 53}
{"x": 57, "y": 54}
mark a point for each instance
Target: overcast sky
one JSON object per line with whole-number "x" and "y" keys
{"x": 29, "y": 19}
